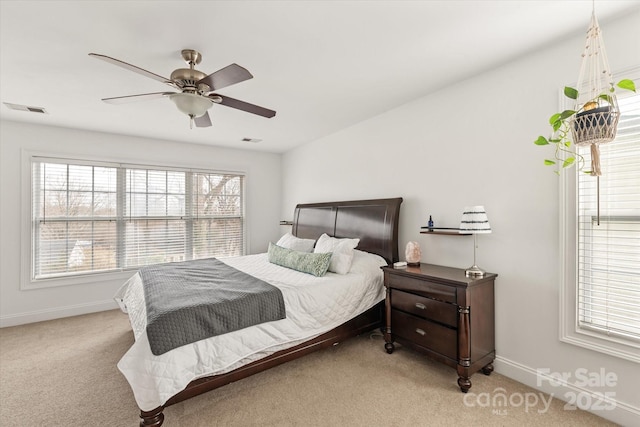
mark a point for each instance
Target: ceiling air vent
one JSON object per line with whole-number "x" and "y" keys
{"x": 25, "y": 108}
{"x": 251, "y": 140}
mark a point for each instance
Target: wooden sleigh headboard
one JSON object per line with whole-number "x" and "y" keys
{"x": 374, "y": 222}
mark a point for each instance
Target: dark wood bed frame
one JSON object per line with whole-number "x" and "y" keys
{"x": 375, "y": 222}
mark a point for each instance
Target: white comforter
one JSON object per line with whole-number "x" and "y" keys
{"x": 314, "y": 305}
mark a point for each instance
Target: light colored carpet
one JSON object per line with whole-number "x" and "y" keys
{"x": 63, "y": 373}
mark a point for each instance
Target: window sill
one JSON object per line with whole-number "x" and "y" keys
{"x": 615, "y": 348}
{"x": 92, "y": 279}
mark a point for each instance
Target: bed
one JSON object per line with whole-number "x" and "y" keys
{"x": 190, "y": 370}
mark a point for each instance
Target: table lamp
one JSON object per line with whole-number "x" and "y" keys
{"x": 474, "y": 221}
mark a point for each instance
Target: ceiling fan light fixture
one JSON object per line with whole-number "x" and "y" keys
{"x": 190, "y": 104}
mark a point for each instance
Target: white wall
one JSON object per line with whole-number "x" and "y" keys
{"x": 263, "y": 201}
{"x": 472, "y": 143}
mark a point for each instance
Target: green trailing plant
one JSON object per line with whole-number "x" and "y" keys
{"x": 565, "y": 153}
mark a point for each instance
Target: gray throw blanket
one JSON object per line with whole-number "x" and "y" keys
{"x": 193, "y": 300}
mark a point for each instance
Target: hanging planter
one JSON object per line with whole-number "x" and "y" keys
{"x": 597, "y": 125}
{"x": 594, "y": 119}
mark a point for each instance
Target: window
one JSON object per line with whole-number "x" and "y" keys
{"x": 602, "y": 225}
{"x": 89, "y": 217}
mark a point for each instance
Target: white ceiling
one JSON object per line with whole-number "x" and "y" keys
{"x": 322, "y": 65}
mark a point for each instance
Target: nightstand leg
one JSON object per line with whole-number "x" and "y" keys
{"x": 464, "y": 348}
{"x": 487, "y": 369}
{"x": 389, "y": 347}
{"x": 387, "y": 330}
{"x": 464, "y": 383}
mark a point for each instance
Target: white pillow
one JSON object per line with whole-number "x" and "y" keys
{"x": 368, "y": 265}
{"x": 292, "y": 242}
{"x": 367, "y": 262}
{"x": 341, "y": 249}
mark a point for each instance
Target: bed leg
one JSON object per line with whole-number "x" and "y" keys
{"x": 153, "y": 418}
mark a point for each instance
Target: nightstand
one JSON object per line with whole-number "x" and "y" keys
{"x": 444, "y": 314}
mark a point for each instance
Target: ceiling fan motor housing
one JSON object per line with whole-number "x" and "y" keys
{"x": 187, "y": 78}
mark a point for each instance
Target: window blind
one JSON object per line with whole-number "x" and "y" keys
{"x": 608, "y": 233}
{"x": 90, "y": 218}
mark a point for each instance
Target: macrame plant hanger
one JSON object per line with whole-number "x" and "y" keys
{"x": 597, "y": 112}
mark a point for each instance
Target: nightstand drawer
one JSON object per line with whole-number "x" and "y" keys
{"x": 425, "y": 307}
{"x": 422, "y": 287}
{"x": 425, "y": 333}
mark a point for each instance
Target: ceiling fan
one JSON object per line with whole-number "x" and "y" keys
{"x": 196, "y": 89}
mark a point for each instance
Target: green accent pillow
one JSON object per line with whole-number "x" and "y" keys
{"x": 311, "y": 263}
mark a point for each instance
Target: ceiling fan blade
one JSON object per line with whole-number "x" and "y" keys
{"x": 203, "y": 121}
{"x": 241, "y": 105}
{"x": 132, "y": 98}
{"x": 135, "y": 69}
{"x": 227, "y": 76}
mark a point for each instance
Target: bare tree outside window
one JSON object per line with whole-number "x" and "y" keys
{"x": 218, "y": 212}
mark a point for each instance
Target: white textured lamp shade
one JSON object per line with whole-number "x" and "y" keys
{"x": 475, "y": 221}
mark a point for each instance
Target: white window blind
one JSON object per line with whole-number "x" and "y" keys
{"x": 89, "y": 217}
{"x": 608, "y": 246}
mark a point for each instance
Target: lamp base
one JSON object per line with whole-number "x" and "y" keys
{"x": 474, "y": 271}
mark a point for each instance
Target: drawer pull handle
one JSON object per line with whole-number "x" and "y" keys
{"x": 420, "y": 331}
{"x": 421, "y": 306}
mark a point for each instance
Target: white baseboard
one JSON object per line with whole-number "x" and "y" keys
{"x": 600, "y": 404}
{"x": 56, "y": 313}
